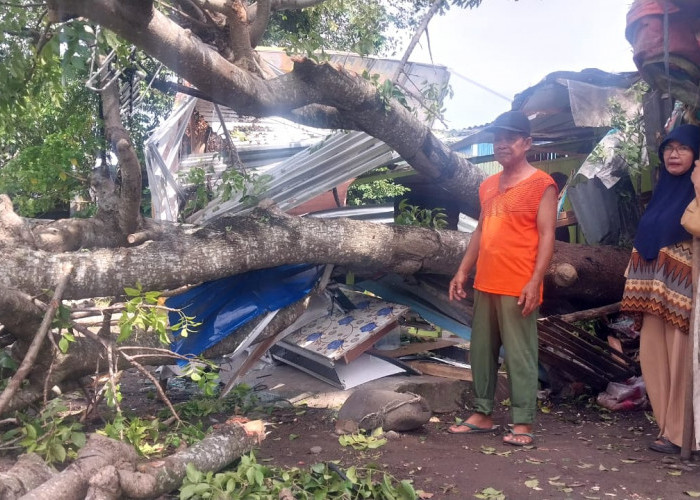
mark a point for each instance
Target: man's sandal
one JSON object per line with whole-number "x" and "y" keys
{"x": 514, "y": 438}
{"x": 471, "y": 429}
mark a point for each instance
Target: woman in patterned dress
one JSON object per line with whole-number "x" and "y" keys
{"x": 659, "y": 286}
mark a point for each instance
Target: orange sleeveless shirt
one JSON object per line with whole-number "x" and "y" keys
{"x": 509, "y": 236}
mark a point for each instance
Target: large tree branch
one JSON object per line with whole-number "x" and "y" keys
{"x": 308, "y": 84}
{"x": 240, "y": 244}
{"x": 28, "y": 361}
{"x": 20, "y": 314}
{"x": 130, "y": 189}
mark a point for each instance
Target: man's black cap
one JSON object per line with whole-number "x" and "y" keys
{"x": 512, "y": 121}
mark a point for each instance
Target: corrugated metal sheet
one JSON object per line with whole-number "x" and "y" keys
{"x": 339, "y": 157}
{"x": 311, "y": 172}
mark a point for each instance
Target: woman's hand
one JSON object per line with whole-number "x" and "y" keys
{"x": 695, "y": 177}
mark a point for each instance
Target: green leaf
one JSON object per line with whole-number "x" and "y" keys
{"x": 193, "y": 475}
{"x": 58, "y": 451}
{"x": 406, "y": 491}
{"x": 187, "y": 492}
{"x": 78, "y": 439}
{"x": 63, "y": 345}
{"x": 31, "y": 431}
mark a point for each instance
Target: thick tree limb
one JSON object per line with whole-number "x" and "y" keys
{"x": 106, "y": 468}
{"x": 259, "y": 21}
{"x": 72, "y": 483}
{"x": 130, "y": 188}
{"x": 27, "y": 473}
{"x": 227, "y": 443}
{"x": 20, "y": 314}
{"x": 308, "y": 84}
{"x": 29, "y": 358}
{"x": 14, "y": 230}
{"x": 244, "y": 243}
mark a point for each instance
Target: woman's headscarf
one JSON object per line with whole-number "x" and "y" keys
{"x": 660, "y": 226}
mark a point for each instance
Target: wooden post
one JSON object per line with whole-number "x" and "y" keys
{"x": 688, "y": 422}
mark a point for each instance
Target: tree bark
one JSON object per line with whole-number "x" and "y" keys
{"x": 109, "y": 469}
{"x": 72, "y": 483}
{"x": 227, "y": 443}
{"x": 335, "y": 95}
{"x": 27, "y": 473}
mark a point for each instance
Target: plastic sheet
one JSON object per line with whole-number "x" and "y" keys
{"x": 624, "y": 396}
{"x": 224, "y": 305}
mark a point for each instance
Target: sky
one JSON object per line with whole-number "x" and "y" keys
{"x": 508, "y": 46}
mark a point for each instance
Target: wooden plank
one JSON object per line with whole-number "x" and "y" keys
{"x": 457, "y": 373}
{"x": 567, "y": 218}
{"x": 441, "y": 370}
{"x": 594, "y": 313}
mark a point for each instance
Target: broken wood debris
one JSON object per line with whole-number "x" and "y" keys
{"x": 581, "y": 357}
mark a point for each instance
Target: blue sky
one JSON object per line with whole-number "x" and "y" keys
{"x": 508, "y": 46}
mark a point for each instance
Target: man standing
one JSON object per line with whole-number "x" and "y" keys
{"x": 511, "y": 248}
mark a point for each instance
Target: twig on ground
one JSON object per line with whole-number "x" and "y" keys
{"x": 113, "y": 378}
{"x": 150, "y": 376}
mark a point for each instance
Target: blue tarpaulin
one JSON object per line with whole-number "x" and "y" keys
{"x": 224, "y": 305}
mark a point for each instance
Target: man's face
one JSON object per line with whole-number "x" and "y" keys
{"x": 510, "y": 148}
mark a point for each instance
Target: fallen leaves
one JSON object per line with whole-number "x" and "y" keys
{"x": 490, "y": 494}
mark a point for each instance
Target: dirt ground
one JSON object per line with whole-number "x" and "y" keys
{"x": 581, "y": 451}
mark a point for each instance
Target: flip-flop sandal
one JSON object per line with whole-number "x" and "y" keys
{"x": 473, "y": 429}
{"x": 665, "y": 446}
{"x": 514, "y": 434}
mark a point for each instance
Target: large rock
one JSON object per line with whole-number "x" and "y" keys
{"x": 369, "y": 409}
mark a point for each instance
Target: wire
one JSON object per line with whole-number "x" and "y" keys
{"x": 481, "y": 86}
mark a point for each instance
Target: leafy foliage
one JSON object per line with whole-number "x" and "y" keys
{"x": 351, "y": 25}
{"x": 240, "y": 400}
{"x": 377, "y": 190}
{"x": 321, "y": 481}
{"x": 366, "y": 27}
{"x": 148, "y": 437}
{"x": 50, "y": 131}
{"x": 145, "y": 311}
{"x": 51, "y": 435}
{"x": 205, "y": 374}
{"x": 413, "y": 215}
{"x": 247, "y": 186}
{"x": 631, "y": 146}
{"x": 364, "y": 441}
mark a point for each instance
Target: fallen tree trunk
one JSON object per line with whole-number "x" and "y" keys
{"x": 72, "y": 483}
{"x": 108, "y": 470}
{"x": 227, "y": 443}
{"x": 585, "y": 276}
{"x": 27, "y": 473}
